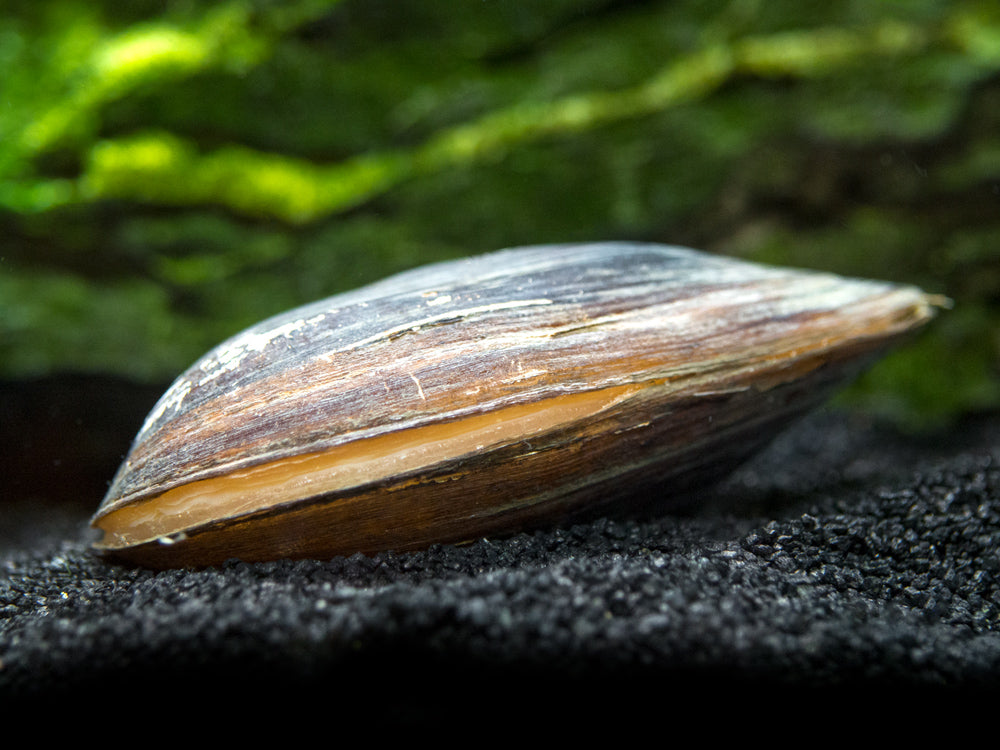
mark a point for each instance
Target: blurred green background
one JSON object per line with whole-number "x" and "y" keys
{"x": 171, "y": 172}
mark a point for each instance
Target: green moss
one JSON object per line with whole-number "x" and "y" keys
{"x": 163, "y": 168}
{"x": 197, "y": 249}
{"x": 168, "y": 176}
{"x": 59, "y": 318}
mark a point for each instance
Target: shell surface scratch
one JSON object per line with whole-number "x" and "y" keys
{"x": 486, "y": 395}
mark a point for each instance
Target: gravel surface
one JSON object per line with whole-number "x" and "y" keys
{"x": 846, "y": 555}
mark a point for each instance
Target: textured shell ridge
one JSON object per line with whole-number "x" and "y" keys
{"x": 350, "y": 327}
{"x": 658, "y": 329}
{"x": 332, "y": 335}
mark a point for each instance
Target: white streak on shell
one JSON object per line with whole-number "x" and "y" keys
{"x": 230, "y": 355}
{"x": 170, "y": 401}
{"x": 416, "y": 325}
{"x": 226, "y": 358}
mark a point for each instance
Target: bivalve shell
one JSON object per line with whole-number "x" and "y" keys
{"x": 482, "y": 396}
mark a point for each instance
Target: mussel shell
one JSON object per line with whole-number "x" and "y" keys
{"x": 684, "y": 363}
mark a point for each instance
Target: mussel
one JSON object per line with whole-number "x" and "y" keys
{"x": 487, "y": 395}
